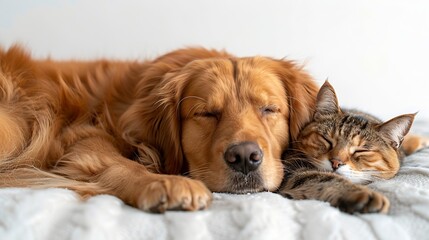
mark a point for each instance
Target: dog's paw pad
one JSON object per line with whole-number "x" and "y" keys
{"x": 174, "y": 193}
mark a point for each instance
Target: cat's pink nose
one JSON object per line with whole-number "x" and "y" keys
{"x": 336, "y": 163}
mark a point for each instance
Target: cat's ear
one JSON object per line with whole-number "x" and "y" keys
{"x": 327, "y": 103}
{"x": 396, "y": 128}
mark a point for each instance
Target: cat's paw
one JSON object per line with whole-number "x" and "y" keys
{"x": 364, "y": 201}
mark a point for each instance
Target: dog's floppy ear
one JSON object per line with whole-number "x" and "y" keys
{"x": 301, "y": 92}
{"x": 152, "y": 124}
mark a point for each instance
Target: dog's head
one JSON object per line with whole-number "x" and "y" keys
{"x": 227, "y": 120}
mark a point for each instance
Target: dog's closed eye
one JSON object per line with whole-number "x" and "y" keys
{"x": 269, "y": 109}
{"x": 208, "y": 114}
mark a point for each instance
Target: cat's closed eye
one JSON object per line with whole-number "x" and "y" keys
{"x": 361, "y": 151}
{"x": 365, "y": 154}
{"x": 325, "y": 143}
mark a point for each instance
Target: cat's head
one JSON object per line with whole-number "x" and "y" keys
{"x": 353, "y": 144}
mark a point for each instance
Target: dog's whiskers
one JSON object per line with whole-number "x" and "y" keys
{"x": 202, "y": 170}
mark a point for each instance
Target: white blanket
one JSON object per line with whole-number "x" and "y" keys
{"x": 58, "y": 214}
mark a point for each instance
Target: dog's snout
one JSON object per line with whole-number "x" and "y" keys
{"x": 244, "y": 157}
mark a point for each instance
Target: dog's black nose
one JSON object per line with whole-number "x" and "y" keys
{"x": 244, "y": 157}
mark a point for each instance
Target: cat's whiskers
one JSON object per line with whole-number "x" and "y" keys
{"x": 355, "y": 176}
{"x": 379, "y": 171}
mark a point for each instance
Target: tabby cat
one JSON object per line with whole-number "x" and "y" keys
{"x": 349, "y": 147}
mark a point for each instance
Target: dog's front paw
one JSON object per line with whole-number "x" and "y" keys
{"x": 364, "y": 201}
{"x": 174, "y": 193}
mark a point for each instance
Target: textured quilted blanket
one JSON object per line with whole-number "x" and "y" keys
{"x": 59, "y": 214}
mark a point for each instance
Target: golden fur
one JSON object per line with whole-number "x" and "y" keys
{"x": 130, "y": 128}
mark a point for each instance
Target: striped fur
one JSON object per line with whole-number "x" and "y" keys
{"x": 353, "y": 144}
{"x": 304, "y": 181}
{"x": 339, "y": 149}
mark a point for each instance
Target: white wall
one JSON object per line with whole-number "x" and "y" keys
{"x": 375, "y": 53}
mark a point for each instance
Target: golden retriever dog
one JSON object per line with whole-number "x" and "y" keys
{"x": 159, "y": 134}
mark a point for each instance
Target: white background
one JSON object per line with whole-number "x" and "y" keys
{"x": 375, "y": 53}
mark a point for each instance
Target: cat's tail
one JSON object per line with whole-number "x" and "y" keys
{"x": 413, "y": 143}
